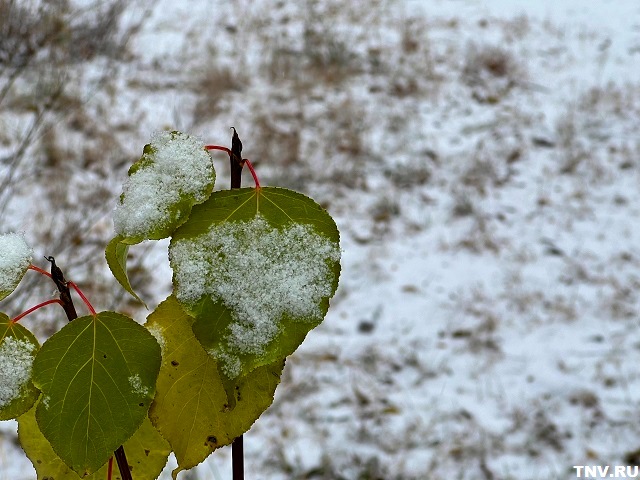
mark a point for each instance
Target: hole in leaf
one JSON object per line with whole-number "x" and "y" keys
{"x": 174, "y": 363}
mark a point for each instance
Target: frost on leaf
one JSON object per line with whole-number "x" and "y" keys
{"x": 158, "y": 334}
{"x": 18, "y": 348}
{"x": 174, "y": 173}
{"x": 137, "y": 386}
{"x": 15, "y": 258}
{"x": 262, "y": 274}
{"x": 16, "y": 361}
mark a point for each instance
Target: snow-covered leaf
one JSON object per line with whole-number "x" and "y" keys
{"x": 174, "y": 174}
{"x": 18, "y": 348}
{"x": 256, "y": 267}
{"x": 190, "y": 408}
{"x": 15, "y": 258}
{"x": 97, "y": 376}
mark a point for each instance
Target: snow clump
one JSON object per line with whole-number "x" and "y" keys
{"x": 174, "y": 167}
{"x": 261, "y": 274}
{"x": 15, "y": 258}
{"x": 16, "y": 360}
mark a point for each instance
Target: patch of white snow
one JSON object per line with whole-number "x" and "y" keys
{"x": 260, "y": 273}
{"x": 178, "y": 166}
{"x": 16, "y": 360}
{"x": 15, "y": 257}
{"x": 157, "y": 332}
{"x": 138, "y": 387}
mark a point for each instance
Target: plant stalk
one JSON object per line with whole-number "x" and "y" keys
{"x": 69, "y": 308}
{"x": 235, "y": 159}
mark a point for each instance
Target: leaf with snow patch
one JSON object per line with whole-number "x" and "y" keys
{"x": 18, "y": 348}
{"x": 147, "y": 453}
{"x": 15, "y": 258}
{"x": 190, "y": 408}
{"x": 174, "y": 173}
{"x": 97, "y": 376}
{"x": 256, "y": 267}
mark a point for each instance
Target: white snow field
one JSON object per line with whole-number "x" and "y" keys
{"x": 482, "y": 161}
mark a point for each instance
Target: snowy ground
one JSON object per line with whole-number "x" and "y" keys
{"x": 481, "y": 160}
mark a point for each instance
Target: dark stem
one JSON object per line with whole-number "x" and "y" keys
{"x": 65, "y": 295}
{"x": 236, "y": 160}
{"x": 237, "y": 458}
{"x": 67, "y": 303}
{"x": 237, "y": 447}
{"x": 123, "y": 465}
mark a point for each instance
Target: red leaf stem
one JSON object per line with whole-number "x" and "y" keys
{"x": 244, "y": 160}
{"x": 39, "y": 270}
{"x": 33, "y": 309}
{"x": 218, "y": 147}
{"x": 82, "y": 296}
{"x": 253, "y": 172}
{"x": 110, "y": 468}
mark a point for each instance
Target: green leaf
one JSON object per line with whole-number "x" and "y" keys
{"x": 190, "y": 408}
{"x": 18, "y": 348}
{"x": 174, "y": 173}
{"x": 15, "y": 258}
{"x": 147, "y": 453}
{"x": 256, "y": 267}
{"x": 97, "y": 376}
{"x": 116, "y": 255}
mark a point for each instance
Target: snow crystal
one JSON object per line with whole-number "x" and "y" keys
{"x": 15, "y": 257}
{"x": 179, "y": 166}
{"x": 136, "y": 384}
{"x": 260, "y": 273}
{"x": 16, "y": 360}
{"x": 156, "y": 331}
{"x": 231, "y": 364}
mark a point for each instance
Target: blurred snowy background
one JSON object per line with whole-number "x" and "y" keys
{"x": 481, "y": 159}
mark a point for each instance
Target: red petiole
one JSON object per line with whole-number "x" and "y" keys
{"x": 218, "y": 147}
{"x": 39, "y": 270}
{"x": 253, "y": 172}
{"x": 33, "y": 309}
{"x": 82, "y": 296}
{"x": 110, "y": 468}
{"x": 244, "y": 160}
{"x": 71, "y": 284}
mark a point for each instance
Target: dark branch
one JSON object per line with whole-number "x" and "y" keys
{"x": 237, "y": 447}
{"x": 236, "y": 160}
{"x": 123, "y": 465}
{"x": 65, "y": 295}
